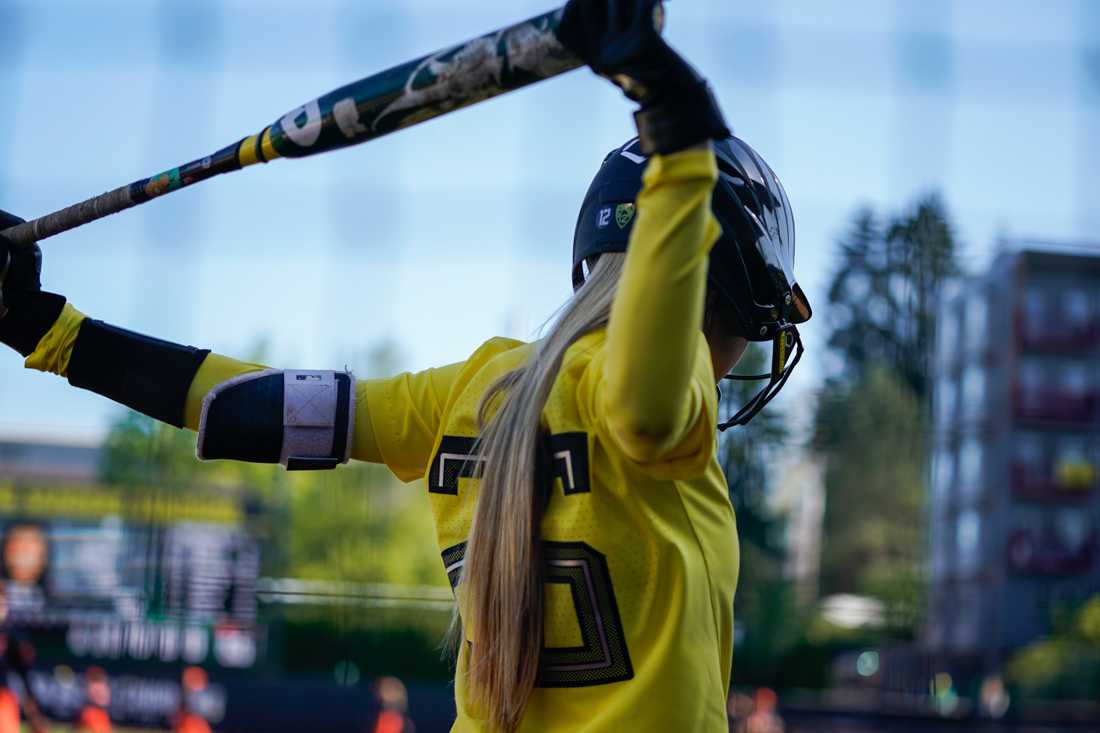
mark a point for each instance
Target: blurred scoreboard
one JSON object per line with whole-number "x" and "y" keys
{"x": 144, "y": 576}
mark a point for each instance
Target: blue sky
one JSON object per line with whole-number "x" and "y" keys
{"x": 443, "y": 235}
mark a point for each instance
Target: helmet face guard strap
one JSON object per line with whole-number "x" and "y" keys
{"x": 786, "y": 342}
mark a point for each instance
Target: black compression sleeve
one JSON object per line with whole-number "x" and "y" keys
{"x": 143, "y": 373}
{"x": 29, "y": 320}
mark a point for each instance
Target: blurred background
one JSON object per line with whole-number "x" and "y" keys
{"x": 918, "y": 510}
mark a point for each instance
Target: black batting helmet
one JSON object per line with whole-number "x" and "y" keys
{"x": 751, "y": 266}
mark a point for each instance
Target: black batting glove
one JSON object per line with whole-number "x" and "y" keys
{"x": 621, "y": 40}
{"x": 26, "y": 313}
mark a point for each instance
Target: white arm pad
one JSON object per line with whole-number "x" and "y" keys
{"x": 302, "y": 419}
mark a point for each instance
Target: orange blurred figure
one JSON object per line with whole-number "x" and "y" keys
{"x": 191, "y": 723}
{"x": 93, "y": 717}
{"x": 393, "y": 701}
{"x": 188, "y": 720}
{"x": 763, "y": 718}
{"x": 9, "y": 711}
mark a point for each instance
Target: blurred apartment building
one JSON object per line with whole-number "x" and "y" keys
{"x": 1014, "y": 506}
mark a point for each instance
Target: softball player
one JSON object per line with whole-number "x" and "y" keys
{"x": 580, "y": 511}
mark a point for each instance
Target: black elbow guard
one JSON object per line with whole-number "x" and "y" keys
{"x": 301, "y": 419}
{"x": 143, "y": 373}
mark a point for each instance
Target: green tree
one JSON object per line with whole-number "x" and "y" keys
{"x": 360, "y": 524}
{"x": 883, "y": 297}
{"x": 747, "y": 453}
{"x": 872, "y": 433}
{"x": 872, "y": 412}
{"x": 1066, "y": 664}
{"x": 144, "y": 454}
{"x": 765, "y": 604}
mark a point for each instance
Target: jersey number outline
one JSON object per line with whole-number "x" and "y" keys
{"x": 602, "y": 657}
{"x": 457, "y": 458}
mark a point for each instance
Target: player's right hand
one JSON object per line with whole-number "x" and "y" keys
{"x": 621, "y": 40}
{"x": 26, "y": 313}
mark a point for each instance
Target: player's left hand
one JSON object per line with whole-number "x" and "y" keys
{"x": 26, "y": 313}
{"x": 20, "y": 268}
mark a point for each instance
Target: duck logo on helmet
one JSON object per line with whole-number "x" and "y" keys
{"x": 623, "y": 214}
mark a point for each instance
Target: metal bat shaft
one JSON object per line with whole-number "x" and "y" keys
{"x": 403, "y": 96}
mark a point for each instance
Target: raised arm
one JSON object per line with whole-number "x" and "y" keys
{"x": 651, "y": 398}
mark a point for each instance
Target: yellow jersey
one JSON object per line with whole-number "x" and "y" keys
{"x": 640, "y": 544}
{"x": 641, "y": 560}
{"x": 639, "y": 541}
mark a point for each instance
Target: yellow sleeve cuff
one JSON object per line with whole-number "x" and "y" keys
{"x": 56, "y": 347}
{"x": 214, "y": 370}
{"x": 693, "y": 163}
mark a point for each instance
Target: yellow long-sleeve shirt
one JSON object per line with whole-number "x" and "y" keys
{"x": 639, "y": 531}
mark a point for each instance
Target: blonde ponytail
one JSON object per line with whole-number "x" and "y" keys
{"x": 501, "y": 586}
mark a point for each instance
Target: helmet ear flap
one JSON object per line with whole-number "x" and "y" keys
{"x": 738, "y": 278}
{"x": 755, "y": 213}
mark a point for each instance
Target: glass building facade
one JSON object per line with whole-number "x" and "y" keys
{"x": 1014, "y": 506}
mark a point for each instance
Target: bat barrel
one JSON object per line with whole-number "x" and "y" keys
{"x": 403, "y": 96}
{"x": 425, "y": 88}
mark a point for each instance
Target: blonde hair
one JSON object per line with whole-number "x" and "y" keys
{"x": 501, "y": 589}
